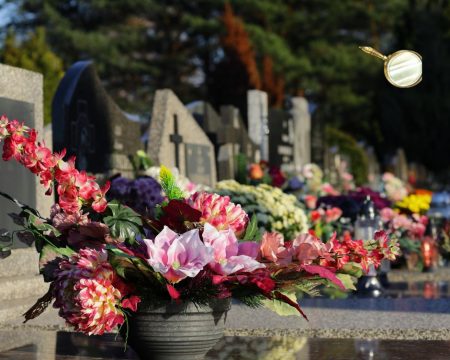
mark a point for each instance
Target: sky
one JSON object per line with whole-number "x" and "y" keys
{"x": 5, "y": 13}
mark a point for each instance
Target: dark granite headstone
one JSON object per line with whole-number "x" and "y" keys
{"x": 281, "y": 151}
{"x": 88, "y": 123}
{"x": 317, "y": 141}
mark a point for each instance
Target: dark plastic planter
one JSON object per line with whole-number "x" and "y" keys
{"x": 177, "y": 331}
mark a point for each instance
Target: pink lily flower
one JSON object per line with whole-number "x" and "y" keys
{"x": 229, "y": 255}
{"x": 177, "y": 257}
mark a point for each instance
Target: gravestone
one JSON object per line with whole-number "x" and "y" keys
{"x": 232, "y": 119}
{"x": 401, "y": 165}
{"x": 228, "y": 134}
{"x": 318, "y": 151}
{"x": 258, "y": 122}
{"x": 373, "y": 169}
{"x": 89, "y": 124}
{"x": 302, "y": 132}
{"x": 176, "y": 140}
{"x": 21, "y": 98}
{"x": 281, "y": 130}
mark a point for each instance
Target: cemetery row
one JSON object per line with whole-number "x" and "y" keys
{"x": 210, "y": 149}
{"x": 205, "y": 146}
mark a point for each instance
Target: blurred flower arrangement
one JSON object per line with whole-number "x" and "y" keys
{"x": 409, "y": 230}
{"x": 276, "y": 211}
{"x": 418, "y": 203}
{"x": 263, "y": 173}
{"x": 142, "y": 194}
{"x": 394, "y": 188}
{"x": 324, "y": 222}
{"x": 102, "y": 259}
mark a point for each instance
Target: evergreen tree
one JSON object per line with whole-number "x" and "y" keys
{"x": 34, "y": 54}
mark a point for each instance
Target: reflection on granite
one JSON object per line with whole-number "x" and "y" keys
{"x": 71, "y": 346}
{"x": 440, "y": 274}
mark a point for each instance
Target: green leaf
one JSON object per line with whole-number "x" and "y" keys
{"x": 282, "y": 308}
{"x": 352, "y": 269}
{"x": 172, "y": 191}
{"x": 347, "y": 280}
{"x": 124, "y": 223}
{"x": 252, "y": 231}
{"x": 134, "y": 269}
{"x": 39, "y": 224}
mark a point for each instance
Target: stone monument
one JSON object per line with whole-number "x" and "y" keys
{"x": 21, "y": 98}
{"x": 89, "y": 124}
{"x": 302, "y": 132}
{"x": 177, "y": 140}
{"x": 281, "y": 139}
{"x": 258, "y": 122}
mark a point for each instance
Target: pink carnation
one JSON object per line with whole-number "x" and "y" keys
{"x": 219, "y": 211}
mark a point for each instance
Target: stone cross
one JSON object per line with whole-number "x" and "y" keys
{"x": 177, "y": 139}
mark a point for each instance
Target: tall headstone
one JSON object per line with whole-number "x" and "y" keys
{"x": 302, "y": 132}
{"x": 90, "y": 125}
{"x": 281, "y": 138}
{"x": 258, "y": 120}
{"x": 21, "y": 98}
{"x": 373, "y": 170}
{"x": 176, "y": 140}
{"x": 401, "y": 165}
{"x": 318, "y": 146}
{"x": 237, "y": 133}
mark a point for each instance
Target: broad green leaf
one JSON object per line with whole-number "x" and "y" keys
{"x": 352, "y": 269}
{"x": 124, "y": 223}
{"x": 347, "y": 280}
{"x": 281, "y": 308}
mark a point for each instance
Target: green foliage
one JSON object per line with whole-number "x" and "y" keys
{"x": 280, "y": 307}
{"x": 123, "y": 222}
{"x": 35, "y": 54}
{"x": 140, "y": 161}
{"x": 347, "y": 145}
{"x": 169, "y": 186}
{"x": 241, "y": 165}
{"x": 410, "y": 245}
{"x": 347, "y": 280}
{"x": 252, "y": 232}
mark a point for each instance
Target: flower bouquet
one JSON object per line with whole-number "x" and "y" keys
{"x": 109, "y": 267}
{"x": 410, "y": 232}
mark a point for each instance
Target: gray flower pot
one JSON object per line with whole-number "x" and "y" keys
{"x": 177, "y": 331}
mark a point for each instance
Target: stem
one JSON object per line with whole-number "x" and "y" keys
{"x": 371, "y": 51}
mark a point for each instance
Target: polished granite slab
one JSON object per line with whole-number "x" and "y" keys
{"x": 71, "y": 346}
{"x": 413, "y": 310}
